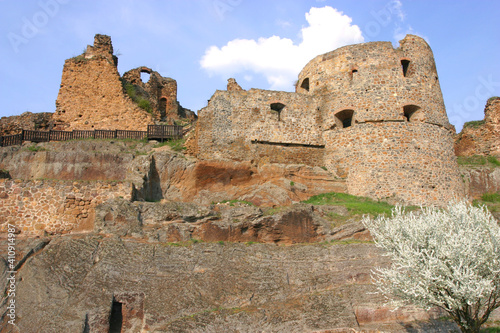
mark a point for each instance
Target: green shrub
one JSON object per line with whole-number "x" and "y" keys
{"x": 145, "y": 105}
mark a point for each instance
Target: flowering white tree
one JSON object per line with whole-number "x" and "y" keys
{"x": 449, "y": 258}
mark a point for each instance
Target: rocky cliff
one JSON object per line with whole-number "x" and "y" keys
{"x": 99, "y": 283}
{"x": 162, "y": 242}
{"x": 481, "y": 137}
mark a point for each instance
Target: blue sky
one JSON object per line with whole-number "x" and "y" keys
{"x": 263, "y": 44}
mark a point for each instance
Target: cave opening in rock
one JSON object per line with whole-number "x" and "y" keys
{"x": 116, "y": 318}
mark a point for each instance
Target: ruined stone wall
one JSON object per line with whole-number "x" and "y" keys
{"x": 161, "y": 92}
{"x": 481, "y": 137}
{"x": 53, "y": 206}
{"x": 411, "y": 163}
{"x": 26, "y": 121}
{"x": 237, "y": 124}
{"x": 92, "y": 96}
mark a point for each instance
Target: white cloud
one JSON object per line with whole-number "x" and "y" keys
{"x": 279, "y": 59}
{"x": 397, "y": 9}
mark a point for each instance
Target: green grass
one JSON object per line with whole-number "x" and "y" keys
{"x": 474, "y": 123}
{"x": 491, "y": 330}
{"x": 472, "y": 160}
{"x": 176, "y": 145}
{"x": 354, "y": 204}
{"x": 490, "y": 200}
{"x": 492, "y": 98}
{"x": 477, "y": 160}
{"x": 491, "y": 197}
{"x": 493, "y": 160}
{"x": 36, "y": 148}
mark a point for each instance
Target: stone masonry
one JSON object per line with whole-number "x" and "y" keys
{"x": 369, "y": 113}
{"x": 50, "y": 206}
{"x": 94, "y": 96}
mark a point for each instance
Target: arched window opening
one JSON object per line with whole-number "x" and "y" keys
{"x": 411, "y": 112}
{"x": 145, "y": 75}
{"x": 344, "y": 118}
{"x": 305, "y": 84}
{"x": 278, "y": 107}
{"x": 353, "y": 73}
{"x": 405, "y": 64}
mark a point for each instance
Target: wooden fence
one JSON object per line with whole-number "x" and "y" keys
{"x": 155, "y": 132}
{"x": 162, "y": 132}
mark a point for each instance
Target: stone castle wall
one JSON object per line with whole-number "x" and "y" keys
{"x": 237, "y": 124}
{"x": 411, "y": 163}
{"x": 369, "y": 113}
{"x": 51, "y": 206}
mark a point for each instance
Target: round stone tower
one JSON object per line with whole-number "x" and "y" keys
{"x": 385, "y": 126}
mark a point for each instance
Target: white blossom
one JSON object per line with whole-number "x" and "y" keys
{"x": 448, "y": 258}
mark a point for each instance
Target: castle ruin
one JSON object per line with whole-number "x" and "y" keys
{"x": 370, "y": 114}
{"x": 94, "y": 96}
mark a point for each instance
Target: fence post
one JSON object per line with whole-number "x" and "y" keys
{"x": 116, "y": 133}
{"x": 50, "y": 135}
{"x": 1, "y": 141}
{"x": 22, "y": 136}
{"x": 94, "y": 135}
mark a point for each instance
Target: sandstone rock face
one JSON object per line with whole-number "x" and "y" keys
{"x": 481, "y": 137}
{"x": 99, "y": 284}
{"x": 481, "y": 180}
{"x": 27, "y": 121}
{"x": 59, "y": 172}
{"x": 222, "y": 222}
